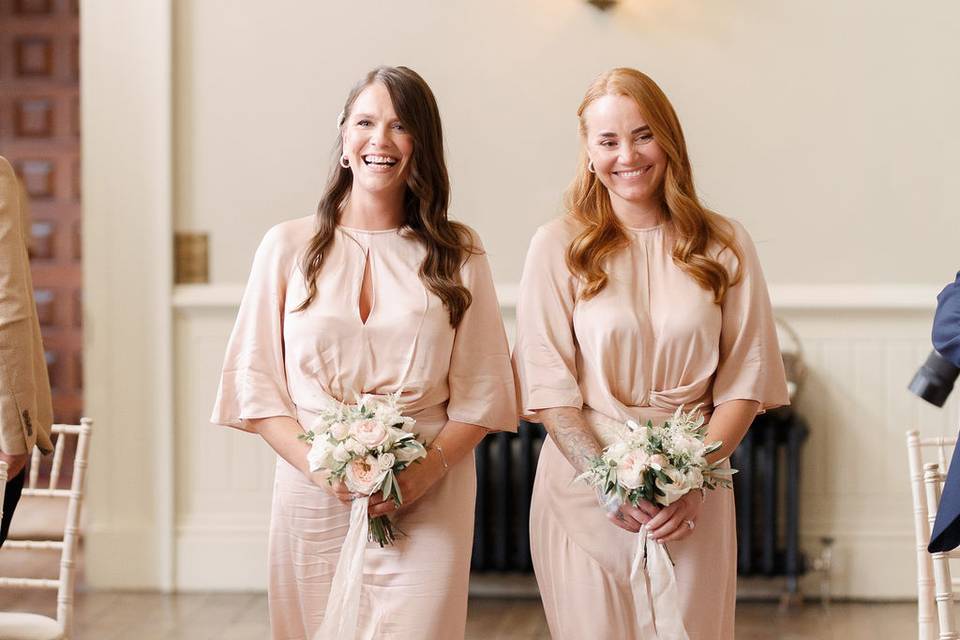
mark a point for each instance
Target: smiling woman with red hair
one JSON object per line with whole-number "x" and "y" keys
{"x": 638, "y": 301}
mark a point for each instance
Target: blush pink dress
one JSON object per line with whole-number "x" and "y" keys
{"x": 285, "y": 363}
{"x": 651, "y": 341}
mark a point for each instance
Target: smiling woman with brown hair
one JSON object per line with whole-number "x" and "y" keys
{"x": 379, "y": 292}
{"x": 638, "y": 301}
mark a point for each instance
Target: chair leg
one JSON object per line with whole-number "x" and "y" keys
{"x": 926, "y": 620}
{"x": 941, "y": 561}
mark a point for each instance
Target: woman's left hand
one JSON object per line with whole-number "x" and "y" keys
{"x": 674, "y": 522}
{"x": 414, "y": 483}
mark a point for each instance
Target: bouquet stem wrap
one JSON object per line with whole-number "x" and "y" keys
{"x": 343, "y": 606}
{"x": 655, "y": 597}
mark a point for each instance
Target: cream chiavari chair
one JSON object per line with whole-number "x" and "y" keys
{"x": 936, "y": 590}
{"x": 29, "y": 626}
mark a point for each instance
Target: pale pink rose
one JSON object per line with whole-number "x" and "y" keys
{"x": 364, "y": 475}
{"x": 369, "y": 433}
{"x": 632, "y": 468}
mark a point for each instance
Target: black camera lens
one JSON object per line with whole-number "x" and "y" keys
{"x": 934, "y": 381}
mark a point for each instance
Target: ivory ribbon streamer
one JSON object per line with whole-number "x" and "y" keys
{"x": 655, "y": 596}
{"x": 343, "y": 605}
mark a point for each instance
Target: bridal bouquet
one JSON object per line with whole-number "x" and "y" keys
{"x": 365, "y": 445}
{"x": 660, "y": 464}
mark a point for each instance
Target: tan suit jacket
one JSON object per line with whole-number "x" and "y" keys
{"x": 25, "y": 408}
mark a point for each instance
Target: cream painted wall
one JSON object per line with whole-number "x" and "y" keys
{"x": 826, "y": 127}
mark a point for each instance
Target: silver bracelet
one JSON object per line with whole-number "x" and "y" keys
{"x": 443, "y": 458}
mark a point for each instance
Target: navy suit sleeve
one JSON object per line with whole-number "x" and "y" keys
{"x": 946, "y": 323}
{"x": 946, "y": 340}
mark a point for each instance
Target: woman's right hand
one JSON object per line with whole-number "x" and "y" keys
{"x": 631, "y": 518}
{"x": 336, "y": 488}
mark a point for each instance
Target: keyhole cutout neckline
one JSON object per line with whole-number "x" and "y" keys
{"x": 366, "y": 297}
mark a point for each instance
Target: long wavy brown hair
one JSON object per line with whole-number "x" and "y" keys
{"x": 696, "y": 228}
{"x": 425, "y": 201}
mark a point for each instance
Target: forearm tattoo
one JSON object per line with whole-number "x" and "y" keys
{"x": 570, "y": 431}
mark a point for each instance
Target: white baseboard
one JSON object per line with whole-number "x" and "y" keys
{"x": 869, "y": 564}
{"x": 123, "y": 556}
{"x": 221, "y": 557}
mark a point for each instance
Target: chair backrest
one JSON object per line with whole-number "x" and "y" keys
{"x": 74, "y": 497}
{"x": 935, "y": 587}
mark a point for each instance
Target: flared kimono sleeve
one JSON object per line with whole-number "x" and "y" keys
{"x": 253, "y": 383}
{"x": 545, "y": 353}
{"x": 480, "y": 377}
{"x": 750, "y": 365}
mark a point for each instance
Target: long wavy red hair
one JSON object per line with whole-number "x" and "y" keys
{"x": 696, "y": 228}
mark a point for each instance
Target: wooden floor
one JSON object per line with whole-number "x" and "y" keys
{"x": 102, "y": 615}
{"x": 218, "y": 616}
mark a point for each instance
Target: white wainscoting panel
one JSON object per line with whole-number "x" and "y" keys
{"x": 861, "y": 349}
{"x": 224, "y": 476}
{"x": 854, "y": 476}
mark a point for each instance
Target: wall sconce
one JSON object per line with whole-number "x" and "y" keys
{"x": 603, "y": 5}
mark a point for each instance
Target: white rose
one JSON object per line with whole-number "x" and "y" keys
{"x": 355, "y": 447}
{"x": 363, "y": 475}
{"x": 340, "y": 453}
{"x": 410, "y": 451}
{"x": 632, "y": 468}
{"x": 694, "y": 478}
{"x": 673, "y": 490}
{"x": 393, "y": 437}
{"x": 386, "y": 461}
{"x": 320, "y": 455}
{"x": 689, "y": 445}
{"x": 339, "y": 430}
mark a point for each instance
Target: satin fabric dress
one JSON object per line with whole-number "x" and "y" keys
{"x": 281, "y": 362}
{"x": 651, "y": 341}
